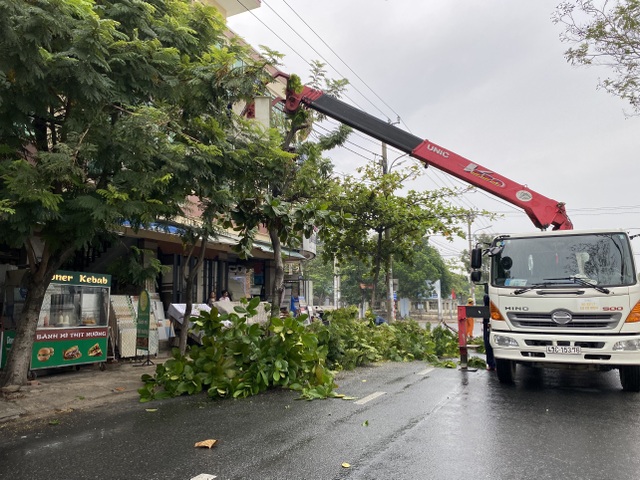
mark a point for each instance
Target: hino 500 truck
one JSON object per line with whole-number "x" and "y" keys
{"x": 558, "y": 298}
{"x": 565, "y": 299}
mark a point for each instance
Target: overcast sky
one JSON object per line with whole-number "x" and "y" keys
{"x": 487, "y": 80}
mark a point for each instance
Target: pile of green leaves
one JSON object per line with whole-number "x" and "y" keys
{"x": 352, "y": 342}
{"x": 245, "y": 359}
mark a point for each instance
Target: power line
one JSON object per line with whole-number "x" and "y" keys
{"x": 310, "y": 46}
{"x": 323, "y": 58}
{"x": 272, "y": 31}
{"x": 348, "y": 67}
{"x": 442, "y": 179}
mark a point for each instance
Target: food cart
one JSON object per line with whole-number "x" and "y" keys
{"x": 73, "y": 323}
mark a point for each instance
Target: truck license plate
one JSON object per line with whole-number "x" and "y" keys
{"x": 563, "y": 350}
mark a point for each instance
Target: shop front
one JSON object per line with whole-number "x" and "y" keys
{"x": 73, "y": 323}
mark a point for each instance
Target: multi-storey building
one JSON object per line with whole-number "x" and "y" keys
{"x": 222, "y": 268}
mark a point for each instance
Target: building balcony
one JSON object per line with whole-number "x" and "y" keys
{"x": 228, "y": 8}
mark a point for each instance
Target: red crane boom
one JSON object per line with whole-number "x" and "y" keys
{"x": 543, "y": 211}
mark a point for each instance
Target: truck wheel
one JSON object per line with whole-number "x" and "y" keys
{"x": 506, "y": 370}
{"x": 630, "y": 378}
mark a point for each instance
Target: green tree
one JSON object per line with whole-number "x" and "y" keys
{"x": 426, "y": 265}
{"x": 286, "y": 188}
{"x": 356, "y": 281}
{"x": 605, "y": 33}
{"x": 386, "y": 224}
{"x": 103, "y": 107}
{"x": 320, "y": 272}
{"x": 459, "y": 282}
{"x": 136, "y": 269}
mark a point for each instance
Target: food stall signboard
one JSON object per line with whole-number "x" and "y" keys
{"x": 68, "y": 346}
{"x": 72, "y": 328}
{"x": 80, "y": 278}
{"x": 73, "y": 321}
{"x": 142, "y": 322}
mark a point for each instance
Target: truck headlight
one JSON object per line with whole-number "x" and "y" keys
{"x": 627, "y": 345}
{"x": 504, "y": 341}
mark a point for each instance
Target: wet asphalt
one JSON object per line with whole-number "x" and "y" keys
{"x": 406, "y": 421}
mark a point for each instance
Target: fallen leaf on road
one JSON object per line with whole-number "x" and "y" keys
{"x": 119, "y": 389}
{"x": 365, "y": 423}
{"x": 206, "y": 443}
{"x": 346, "y": 465}
{"x": 151, "y": 409}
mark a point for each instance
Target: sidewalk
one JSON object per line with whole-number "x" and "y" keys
{"x": 65, "y": 390}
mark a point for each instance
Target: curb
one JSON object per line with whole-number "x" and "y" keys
{"x": 63, "y": 392}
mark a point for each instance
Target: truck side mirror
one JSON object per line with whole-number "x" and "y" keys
{"x": 476, "y": 276}
{"x": 476, "y": 258}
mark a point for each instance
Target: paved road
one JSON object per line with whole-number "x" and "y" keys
{"x": 409, "y": 422}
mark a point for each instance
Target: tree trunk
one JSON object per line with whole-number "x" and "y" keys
{"x": 19, "y": 360}
{"x": 278, "y": 281}
{"x": 38, "y": 278}
{"x": 189, "y": 279}
{"x": 376, "y": 271}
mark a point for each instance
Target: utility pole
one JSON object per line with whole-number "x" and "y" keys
{"x": 391, "y": 310}
{"x": 472, "y": 287}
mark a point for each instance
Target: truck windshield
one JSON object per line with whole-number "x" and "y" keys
{"x": 603, "y": 259}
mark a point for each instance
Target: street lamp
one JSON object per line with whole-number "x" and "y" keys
{"x": 393, "y": 162}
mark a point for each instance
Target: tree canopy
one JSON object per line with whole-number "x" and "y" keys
{"x": 288, "y": 185}
{"x": 387, "y": 222}
{"x": 426, "y": 265}
{"x": 109, "y": 112}
{"x": 605, "y": 33}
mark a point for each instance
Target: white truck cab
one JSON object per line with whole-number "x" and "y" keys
{"x": 565, "y": 299}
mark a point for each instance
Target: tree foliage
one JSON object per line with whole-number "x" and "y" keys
{"x": 387, "y": 223}
{"x": 605, "y": 33}
{"x": 244, "y": 359}
{"x": 321, "y": 273}
{"x": 109, "y": 112}
{"x": 426, "y": 264}
{"x": 285, "y": 188}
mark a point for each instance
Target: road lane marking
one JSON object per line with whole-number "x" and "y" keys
{"x": 426, "y": 371}
{"x": 368, "y": 398}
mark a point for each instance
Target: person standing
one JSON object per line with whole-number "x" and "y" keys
{"x": 486, "y": 336}
{"x": 212, "y": 299}
{"x": 470, "y": 322}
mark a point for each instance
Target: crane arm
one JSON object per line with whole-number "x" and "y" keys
{"x": 543, "y": 212}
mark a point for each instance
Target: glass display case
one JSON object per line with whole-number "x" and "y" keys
{"x": 73, "y": 323}
{"x": 74, "y": 306}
